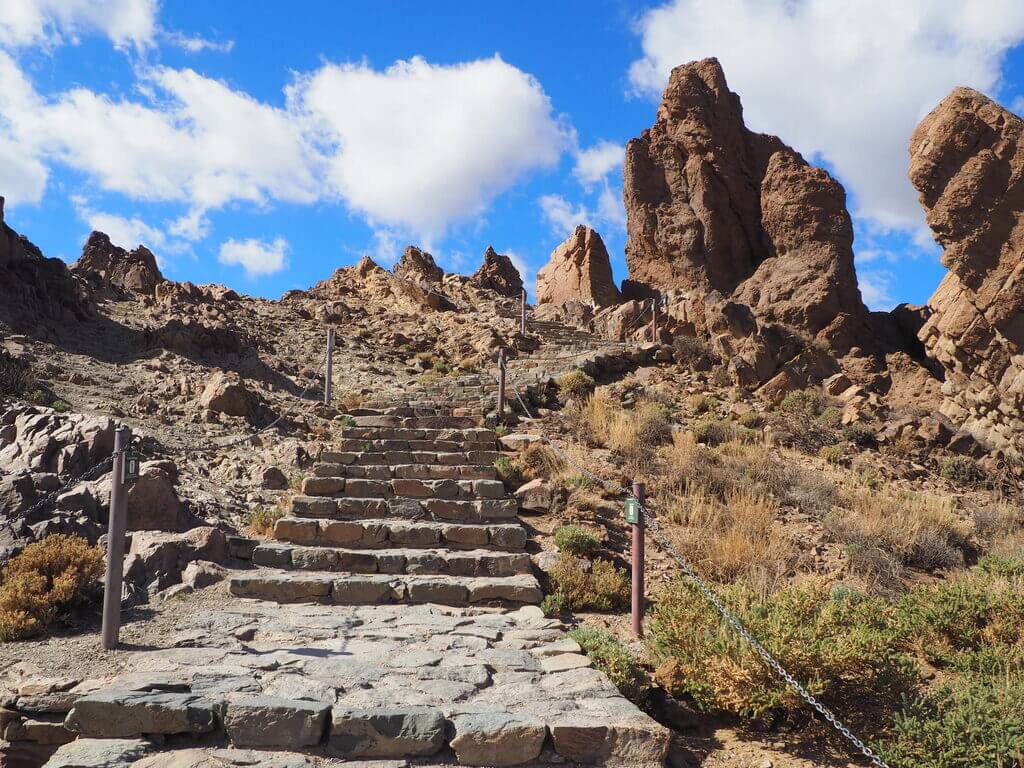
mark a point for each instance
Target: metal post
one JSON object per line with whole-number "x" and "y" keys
{"x": 654, "y": 321}
{"x": 501, "y": 384}
{"x": 522, "y": 313}
{"x": 113, "y": 582}
{"x": 638, "y": 564}
{"x": 329, "y": 376}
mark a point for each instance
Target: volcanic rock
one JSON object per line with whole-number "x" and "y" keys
{"x": 499, "y": 274}
{"x": 713, "y": 206}
{"x": 104, "y": 264}
{"x": 418, "y": 266}
{"x": 966, "y": 161}
{"x": 578, "y": 269}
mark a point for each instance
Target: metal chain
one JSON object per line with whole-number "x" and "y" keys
{"x": 709, "y": 594}
{"x": 89, "y": 474}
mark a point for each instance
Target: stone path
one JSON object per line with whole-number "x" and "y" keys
{"x": 392, "y": 622}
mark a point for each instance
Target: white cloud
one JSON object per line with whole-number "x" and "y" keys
{"x": 848, "y": 81}
{"x": 562, "y": 216}
{"x": 128, "y": 23}
{"x": 421, "y": 146}
{"x": 126, "y": 232}
{"x": 595, "y": 163}
{"x": 23, "y": 173}
{"x": 386, "y": 249}
{"x": 198, "y": 44}
{"x": 257, "y": 257}
{"x": 876, "y": 289}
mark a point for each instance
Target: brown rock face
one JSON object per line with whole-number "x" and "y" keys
{"x": 499, "y": 274}
{"x": 578, "y": 269}
{"x": 966, "y": 161}
{"x": 418, "y": 266}
{"x": 711, "y": 205}
{"x": 107, "y": 265}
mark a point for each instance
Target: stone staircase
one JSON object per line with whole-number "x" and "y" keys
{"x": 405, "y": 509}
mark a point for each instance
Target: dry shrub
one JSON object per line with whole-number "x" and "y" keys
{"x": 737, "y": 538}
{"x": 538, "y": 460}
{"x": 883, "y": 531}
{"x": 351, "y": 400}
{"x": 633, "y": 434}
{"x": 49, "y": 576}
{"x": 261, "y": 520}
{"x": 575, "y": 384}
{"x": 601, "y": 588}
{"x": 15, "y": 375}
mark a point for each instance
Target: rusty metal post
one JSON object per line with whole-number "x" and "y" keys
{"x": 522, "y": 313}
{"x": 638, "y": 563}
{"x": 501, "y": 384}
{"x": 113, "y": 582}
{"x": 654, "y": 321}
{"x": 329, "y": 375}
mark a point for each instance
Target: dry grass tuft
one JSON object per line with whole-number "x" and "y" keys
{"x": 50, "y": 575}
{"x": 633, "y": 434}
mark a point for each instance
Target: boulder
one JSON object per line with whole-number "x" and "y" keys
{"x": 499, "y": 274}
{"x": 535, "y": 496}
{"x": 226, "y": 393}
{"x": 157, "y": 558}
{"x": 579, "y": 269}
{"x": 106, "y": 265}
{"x": 153, "y": 503}
{"x": 966, "y": 157}
{"x": 418, "y": 266}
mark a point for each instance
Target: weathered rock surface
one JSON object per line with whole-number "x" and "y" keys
{"x": 499, "y": 274}
{"x": 966, "y": 162}
{"x": 109, "y": 266}
{"x": 579, "y": 270}
{"x": 711, "y": 205}
{"x": 418, "y": 266}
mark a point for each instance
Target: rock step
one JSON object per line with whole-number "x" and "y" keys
{"x": 475, "y": 435}
{"x": 402, "y": 487}
{"x": 375, "y": 457}
{"x": 383, "y": 445}
{"x": 444, "y": 510}
{"x": 375, "y": 533}
{"x": 415, "y": 422}
{"x": 472, "y": 562}
{"x": 389, "y": 471}
{"x": 373, "y": 589}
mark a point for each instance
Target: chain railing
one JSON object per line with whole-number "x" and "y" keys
{"x": 658, "y": 534}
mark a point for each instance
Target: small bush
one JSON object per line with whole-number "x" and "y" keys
{"x": 804, "y": 402}
{"x": 838, "y": 645}
{"x": 60, "y": 406}
{"x": 751, "y": 420}
{"x": 693, "y": 352}
{"x": 703, "y": 403}
{"x": 345, "y": 421}
{"x": 603, "y": 588}
{"x": 538, "y": 460}
{"x": 833, "y": 454}
{"x": 509, "y": 472}
{"x": 860, "y": 435}
{"x": 15, "y": 375}
{"x": 553, "y": 606}
{"x": 612, "y": 658}
{"x": 352, "y": 400}
{"x": 501, "y": 430}
{"x": 441, "y": 367}
{"x": 576, "y": 540}
{"x": 711, "y": 432}
{"x": 961, "y": 470}
{"x": 1007, "y": 566}
{"x": 261, "y": 520}
{"x": 575, "y": 384}
{"x": 49, "y": 576}
{"x": 831, "y": 416}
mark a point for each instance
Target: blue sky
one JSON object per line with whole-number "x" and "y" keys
{"x": 263, "y": 149}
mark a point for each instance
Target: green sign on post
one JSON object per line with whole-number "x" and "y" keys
{"x": 132, "y": 460}
{"x": 632, "y": 511}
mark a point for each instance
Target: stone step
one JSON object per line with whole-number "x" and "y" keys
{"x": 402, "y": 487}
{"x": 407, "y": 456}
{"x": 405, "y": 471}
{"x": 474, "y": 435}
{"x": 379, "y": 445}
{"x": 449, "y": 510}
{"x": 371, "y": 589}
{"x": 376, "y": 533}
{"x": 414, "y": 422}
{"x": 472, "y": 562}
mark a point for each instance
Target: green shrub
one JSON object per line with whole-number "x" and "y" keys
{"x": 838, "y": 645}
{"x": 603, "y": 588}
{"x": 509, "y": 471}
{"x": 860, "y": 435}
{"x": 831, "y": 416}
{"x": 804, "y": 402}
{"x": 442, "y": 368}
{"x": 616, "y": 661}
{"x": 47, "y": 577}
{"x": 575, "y": 384}
{"x": 751, "y": 420}
{"x": 833, "y": 454}
{"x": 60, "y": 406}
{"x": 576, "y": 540}
{"x": 345, "y": 421}
{"x": 261, "y": 520}
{"x": 961, "y": 470}
{"x": 711, "y": 432}
{"x": 703, "y": 403}
{"x": 553, "y": 605}
{"x": 1008, "y": 566}
{"x": 501, "y": 430}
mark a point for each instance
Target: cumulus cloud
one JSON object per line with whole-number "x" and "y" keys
{"x": 127, "y": 23}
{"x": 257, "y": 257}
{"x": 562, "y": 216}
{"x": 876, "y": 289}
{"x": 594, "y": 163}
{"x": 421, "y": 145}
{"x": 846, "y": 81}
{"x": 197, "y": 43}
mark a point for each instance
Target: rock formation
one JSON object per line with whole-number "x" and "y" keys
{"x": 499, "y": 274}
{"x": 106, "y": 265}
{"x": 416, "y": 265}
{"x": 713, "y": 206}
{"x": 579, "y": 270}
{"x": 966, "y": 161}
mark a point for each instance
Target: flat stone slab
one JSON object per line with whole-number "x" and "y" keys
{"x": 99, "y": 753}
{"x": 264, "y": 721}
{"x": 122, "y": 714}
